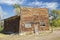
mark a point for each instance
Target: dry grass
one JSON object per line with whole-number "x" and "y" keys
{"x": 42, "y": 36}
{"x": 3, "y": 35}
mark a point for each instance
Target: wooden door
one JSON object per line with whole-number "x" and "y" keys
{"x": 36, "y": 28}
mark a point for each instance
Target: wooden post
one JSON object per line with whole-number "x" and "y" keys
{"x": 20, "y": 22}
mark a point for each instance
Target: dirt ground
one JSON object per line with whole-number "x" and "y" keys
{"x": 42, "y": 36}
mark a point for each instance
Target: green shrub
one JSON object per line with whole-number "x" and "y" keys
{"x": 1, "y": 28}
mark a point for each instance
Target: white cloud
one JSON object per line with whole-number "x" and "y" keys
{"x": 2, "y": 13}
{"x": 51, "y": 5}
{"x": 10, "y": 2}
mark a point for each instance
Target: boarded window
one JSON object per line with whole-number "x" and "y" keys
{"x": 27, "y": 25}
{"x": 42, "y": 24}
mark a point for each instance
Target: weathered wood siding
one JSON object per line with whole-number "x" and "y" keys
{"x": 34, "y": 15}
{"x": 11, "y": 24}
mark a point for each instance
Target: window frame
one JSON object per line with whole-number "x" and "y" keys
{"x": 28, "y": 25}
{"x": 42, "y": 24}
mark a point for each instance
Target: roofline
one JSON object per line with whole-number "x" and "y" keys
{"x": 11, "y": 17}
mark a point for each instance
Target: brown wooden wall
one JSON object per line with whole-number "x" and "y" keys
{"x": 28, "y": 15}
{"x": 11, "y": 24}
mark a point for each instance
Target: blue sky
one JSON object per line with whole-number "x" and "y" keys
{"x": 7, "y": 9}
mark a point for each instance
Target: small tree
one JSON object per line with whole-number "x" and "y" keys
{"x": 54, "y": 19}
{"x": 1, "y": 19}
{"x": 17, "y": 9}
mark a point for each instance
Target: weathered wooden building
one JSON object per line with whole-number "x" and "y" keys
{"x": 32, "y": 19}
